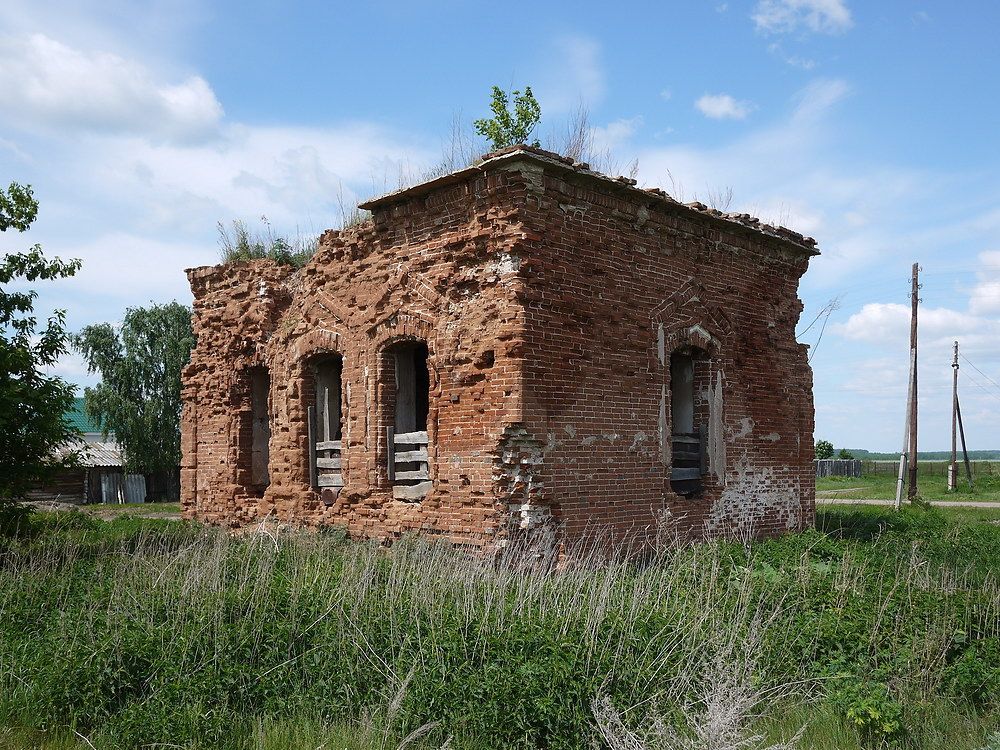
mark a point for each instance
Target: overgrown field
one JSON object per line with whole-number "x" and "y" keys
{"x": 986, "y": 487}
{"x": 876, "y": 630}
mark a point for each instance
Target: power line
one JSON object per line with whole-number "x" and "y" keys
{"x": 983, "y": 388}
{"x": 981, "y": 372}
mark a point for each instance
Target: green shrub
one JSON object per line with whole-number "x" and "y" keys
{"x": 241, "y": 244}
{"x": 138, "y": 632}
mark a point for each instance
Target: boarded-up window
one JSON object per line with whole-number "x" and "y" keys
{"x": 408, "y": 460}
{"x": 260, "y": 387}
{"x": 687, "y": 434}
{"x": 325, "y": 446}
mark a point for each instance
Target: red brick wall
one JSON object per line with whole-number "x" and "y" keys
{"x": 435, "y": 270}
{"x": 607, "y": 270}
{"x": 545, "y": 297}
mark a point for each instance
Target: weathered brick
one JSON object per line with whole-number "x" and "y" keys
{"x": 550, "y": 299}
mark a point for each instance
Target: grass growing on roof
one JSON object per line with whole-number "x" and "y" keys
{"x": 240, "y": 243}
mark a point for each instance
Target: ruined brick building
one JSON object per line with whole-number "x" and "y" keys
{"x": 523, "y": 343}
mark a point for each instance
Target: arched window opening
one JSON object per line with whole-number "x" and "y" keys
{"x": 408, "y": 462}
{"x": 688, "y": 433}
{"x": 255, "y": 431}
{"x": 325, "y": 445}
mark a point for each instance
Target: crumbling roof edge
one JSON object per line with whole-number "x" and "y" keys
{"x": 728, "y": 220}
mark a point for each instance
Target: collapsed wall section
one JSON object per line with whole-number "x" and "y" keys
{"x": 435, "y": 277}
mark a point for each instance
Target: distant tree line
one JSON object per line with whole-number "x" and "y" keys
{"x": 825, "y": 449}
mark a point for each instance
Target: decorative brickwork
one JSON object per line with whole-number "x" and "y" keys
{"x": 550, "y": 300}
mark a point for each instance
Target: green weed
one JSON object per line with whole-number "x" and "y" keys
{"x": 137, "y": 632}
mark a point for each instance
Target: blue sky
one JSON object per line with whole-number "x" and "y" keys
{"x": 872, "y": 127}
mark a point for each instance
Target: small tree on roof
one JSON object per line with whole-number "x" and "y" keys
{"x": 508, "y": 128}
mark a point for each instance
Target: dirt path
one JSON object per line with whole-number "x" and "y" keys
{"x": 935, "y": 503}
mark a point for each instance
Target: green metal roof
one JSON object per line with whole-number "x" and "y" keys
{"x": 78, "y": 418}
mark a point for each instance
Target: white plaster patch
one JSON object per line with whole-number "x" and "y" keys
{"x": 773, "y": 437}
{"x": 752, "y": 497}
{"x": 505, "y": 263}
{"x": 716, "y": 431}
{"x": 637, "y": 441}
{"x": 570, "y": 430}
{"x": 746, "y": 427}
{"x": 530, "y": 516}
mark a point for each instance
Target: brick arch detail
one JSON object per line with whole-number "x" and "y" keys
{"x": 410, "y": 285}
{"x": 688, "y": 317}
{"x": 322, "y": 306}
{"x": 315, "y": 342}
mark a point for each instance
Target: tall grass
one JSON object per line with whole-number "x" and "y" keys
{"x": 238, "y": 242}
{"x": 177, "y": 634}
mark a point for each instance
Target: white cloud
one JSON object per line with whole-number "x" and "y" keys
{"x": 788, "y": 16}
{"x": 615, "y": 134}
{"x": 666, "y": 94}
{"x": 290, "y": 174}
{"x": 796, "y": 61}
{"x": 47, "y": 84}
{"x": 723, "y": 107}
{"x": 131, "y": 269}
{"x": 792, "y": 171}
{"x": 816, "y": 99}
{"x": 888, "y": 323}
{"x": 571, "y": 73}
{"x": 985, "y": 296}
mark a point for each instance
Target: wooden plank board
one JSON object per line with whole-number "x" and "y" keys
{"x": 327, "y": 445}
{"x": 403, "y": 457}
{"x": 328, "y": 463}
{"x": 680, "y": 438}
{"x": 419, "y": 438}
{"x": 687, "y": 449}
{"x": 678, "y": 474}
{"x": 414, "y": 492}
{"x": 421, "y": 474}
{"x": 330, "y": 480}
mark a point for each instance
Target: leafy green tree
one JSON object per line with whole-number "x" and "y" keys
{"x": 824, "y": 449}
{"x": 845, "y": 455}
{"x": 139, "y": 396}
{"x": 32, "y": 403}
{"x": 508, "y": 128}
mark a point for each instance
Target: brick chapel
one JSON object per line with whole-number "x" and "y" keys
{"x": 521, "y": 344}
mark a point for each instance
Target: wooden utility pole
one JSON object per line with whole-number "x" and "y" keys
{"x": 965, "y": 453}
{"x": 914, "y": 301}
{"x": 901, "y": 477}
{"x": 953, "y": 466}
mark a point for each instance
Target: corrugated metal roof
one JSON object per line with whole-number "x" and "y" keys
{"x": 95, "y": 454}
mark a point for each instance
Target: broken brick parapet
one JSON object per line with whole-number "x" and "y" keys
{"x": 550, "y": 302}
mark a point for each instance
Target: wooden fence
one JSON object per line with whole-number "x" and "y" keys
{"x": 930, "y": 468}
{"x": 838, "y": 467}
